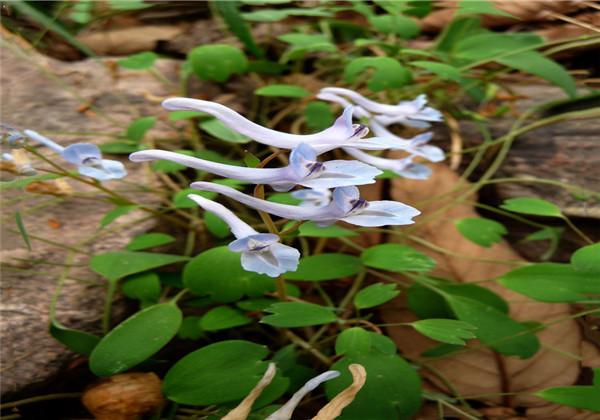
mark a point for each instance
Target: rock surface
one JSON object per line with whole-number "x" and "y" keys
{"x": 54, "y": 98}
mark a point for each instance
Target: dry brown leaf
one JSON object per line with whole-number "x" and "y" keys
{"x": 334, "y": 408}
{"x": 483, "y": 371}
{"x": 128, "y": 40}
{"x": 525, "y": 11}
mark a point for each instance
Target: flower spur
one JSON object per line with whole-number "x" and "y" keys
{"x": 343, "y": 133}
{"x": 86, "y": 156}
{"x": 346, "y": 205}
{"x": 304, "y": 169}
{"x": 261, "y": 252}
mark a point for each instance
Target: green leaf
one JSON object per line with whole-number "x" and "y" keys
{"x": 230, "y": 12}
{"x": 217, "y": 62}
{"x": 138, "y": 129}
{"x": 325, "y": 267}
{"x": 255, "y": 305}
{"x": 459, "y": 29}
{"x": 219, "y": 130}
{"x": 288, "y": 91}
{"x": 318, "y": 116}
{"x": 149, "y": 240}
{"x": 311, "y": 230}
{"x": 375, "y": 295}
{"x": 22, "y": 229}
{"x": 139, "y": 61}
{"x": 185, "y": 115}
{"x": 218, "y": 273}
{"x": 552, "y": 282}
{"x": 116, "y": 265}
{"x": 445, "y": 71}
{"x": 218, "y": 373}
{"x": 284, "y": 198}
{"x": 587, "y": 259}
{"x": 392, "y": 389}
{"x": 216, "y": 225}
{"x": 190, "y": 328}
{"x": 144, "y": 287}
{"x": 115, "y": 213}
{"x": 119, "y": 147}
{"x": 493, "y": 45}
{"x": 535, "y": 63}
{"x": 297, "y": 314}
{"x": 426, "y": 303}
{"x": 482, "y": 231}
{"x": 397, "y": 258}
{"x": 181, "y": 201}
{"x": 135, "y": 339}
{"x": 302, "y": 44}
{"x": 274, "y": 15}
{"x": 579, "y": 396}
{"x": 77, "y": 341}
{"x": 352, "y": 341}
{"x": 495, "y": 329}
{"x": 400, "y": 25}
{"x": 222, "y": 318}
{"x": 480, "y": 7}
{"x": 386, "y": 72}
{"x": 533, "y": 206}
{"x": 128, "y": 4}
{"x": 445, "y": 330}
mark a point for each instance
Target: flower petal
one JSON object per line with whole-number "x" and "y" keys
{"x": 274, "y": 261}
{"x": 239, "y": 228}
{"x": 313, "y": 197}
{"x": 382, "y": 213}
{"x": 340, "y": 173}
{"x": 80, "y": 153}
{"x": 257, "y": 239}
{"x": 242, "y": 411}
{"x": 35, "y": 136}
{"x": 343, "y": 198}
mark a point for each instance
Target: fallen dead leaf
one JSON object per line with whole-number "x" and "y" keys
{"x": 483, "y": 371}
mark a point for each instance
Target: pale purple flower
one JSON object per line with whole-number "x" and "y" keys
{"x": 11, "y": 137}
{"x": 304, "y": 169}
{"x": 416, "y": 146}
{"x": 285, "y": 411}
{"x": 86, "y": 156}
{"x": 261, "y": 252}
{"x": 346, "y": 206}
{"x": 313, "y": 197}
{"x": 341, "y": 134}
{"x": 404, "y": 167}
{"x": 412, "y": 113}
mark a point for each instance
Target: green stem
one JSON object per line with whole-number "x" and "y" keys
{"x": 577, "y": 230}
{"x": 110, "y": 294}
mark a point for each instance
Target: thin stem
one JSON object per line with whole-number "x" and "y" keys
{"x": 110, "y": 294}
{"x": 40, "y": 398}
{"x": 576, "y": 230}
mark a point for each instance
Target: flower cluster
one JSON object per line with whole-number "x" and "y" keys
{"x": 331, "y": 193}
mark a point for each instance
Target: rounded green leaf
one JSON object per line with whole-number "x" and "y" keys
{"x": 218, "y": 272}
{"x": 219, "y": 130}
{"x": 445, "y": 71}
{"x": 217, "y": 62}
{"x": 484, "y": 232}
{"x": 116, "y": 265}
{"x": 310, "y": 229}
{"x": 375, "y": 295}
{"x": 143, "y": 286}
{"x": 318, "y": 116}
{"x": 354, "y": 340}
{"x": 386, "y": 72}
{"x": 218, "y": 373}
{"x": 223, "y": 317}
{"x": 288, "y": 91}
{"x": 135, "y": 339}
{"x": 552, "y": 282}
{"x": 533, "y": 206}
{"x": 325, "y": 267}
{"x": 216, "y": 225}
{"x": 140, "y": 61}
{"x": 392, "y": 389}
{"x": 495, "y": 329}
{"x": 397, "y": 258}
{"x": 445, "y": 330}
{"x": 77, "y": 341}
{"x": 298, "y": 314}
{"x": 400, "y": 25}
{"x": 587, "y": 259}
{"x": 149, "y": 240}
{"x": 138, "y": 128}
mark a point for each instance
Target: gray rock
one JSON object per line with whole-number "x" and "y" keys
{"x": 47, "y": 96}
